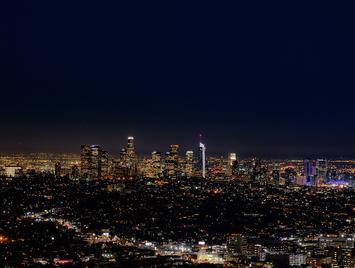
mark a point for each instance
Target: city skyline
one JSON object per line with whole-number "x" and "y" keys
{"x": 177, "y": 134}
{"x": 115, "y": 151}
{"x": 114, "y": 148}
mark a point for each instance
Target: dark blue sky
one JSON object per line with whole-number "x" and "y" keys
{"x": 255, "y": 77}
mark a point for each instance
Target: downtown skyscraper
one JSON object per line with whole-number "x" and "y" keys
{"x": 126, "y": 166}
{"x": 172, "y": 161}
{"x": 94, "y": 161}
{"x": 201, "y": 163}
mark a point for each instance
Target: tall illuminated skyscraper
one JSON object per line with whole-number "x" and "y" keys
{"x": 105, "y": 165}
{"x": 130, "y": 148}
{"x": 95, "y": 163}
{"x": 156, "y": 164}
{"x": 189, "y": 163}
{"x": 172, "y": 161}
{"x": 321, "y": 169}
{"x": 91, "y": 161}
{"x": 85, "y": 158}
{"x": 232, "y": 157}
{"x": 202, "y": 159}
{"x": 127, "y": 165}
{"x": 309, "y": 172}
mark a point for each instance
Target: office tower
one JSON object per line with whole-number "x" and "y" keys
{"x": 172, "y": 161}
{"x": 152, "y": 168}
{"x": 236, "y": 244}
{"x": 309, "y": 172}
{"x": 85, "y": 158}
{"x": 105, "y": 166}
{"x": 216, "y": 167}
{"x": 126, "y": 167}
{"x": 321, "y": 170}
{"x": 95, "y": 163}
{"x": 123, "y": 155}
{"x": 174, "y": 155}
{"x": 120, "y": 169}
{"x": 156, "y": 164}
{"x": 189, "y": 163}
{"x": 145, "y": 168}
{"x": 91, "y": 161}
{"x": 232, "y": 157}
{"x": 201, "y": 164}
{"x": 168, "y": 165}
{"x": 130, "y": 148}
{"x": 174, "y": 150}
{"x": 57, "y": 169}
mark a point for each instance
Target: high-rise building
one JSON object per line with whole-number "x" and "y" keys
{"x": 172, "y": 161}
{"x": 321, "y": 169}
{"x": 130, "y": 148}
{"x": 189, "y": 163}
{"x": 95, "y": 163}
{"x": 236, "y": 244}
{"x": 105, "y": 165}
{"x": 123, "y": 154}
{"x": 85, "y": 158}
{"x": 152, "y": 168}
{"x": 156, "y": 164}
{"x": 201, "y": 163}
{"x": 145, "y": 168}
{"x": 232, "y": 157}
{"x": 168, "y": 165}
{"x": 92, "y": 160}
{"x": 127, "y": 164}
{"x": 307, "y": 170}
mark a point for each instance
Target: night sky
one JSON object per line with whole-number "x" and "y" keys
{"x": 257, "y": 78}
